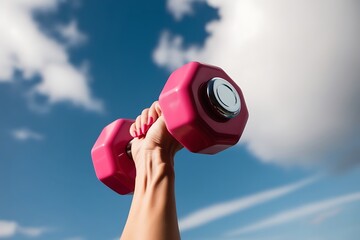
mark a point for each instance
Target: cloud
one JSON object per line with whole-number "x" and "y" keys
{"x": 32, "y": 231}
{"x": 220, "y": 210}
{"x": 297, "y": 213}
{"x": 297, "y": 64}
{"x": 10, "y": 228}
{"x": 180, "y": 8}
{"x": 25, "y": 48}
{"x": 169, "y": 52}
{"x": 323, "y": 216}
{"x": 7, "y": 228}
{"x": 71, "y": 33}
{"x": 24, "y": 134}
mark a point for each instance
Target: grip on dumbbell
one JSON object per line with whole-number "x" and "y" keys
{"x": 203, "y": 109}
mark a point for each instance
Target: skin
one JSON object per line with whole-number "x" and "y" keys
{"x": 153, "y": 214}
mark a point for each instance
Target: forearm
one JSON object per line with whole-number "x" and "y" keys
{"x": 153, "y": 211}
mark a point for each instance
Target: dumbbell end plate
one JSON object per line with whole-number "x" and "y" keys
{"x": 112, "y": 165}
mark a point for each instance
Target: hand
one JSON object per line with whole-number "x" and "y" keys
{"x": 150, "y": 134}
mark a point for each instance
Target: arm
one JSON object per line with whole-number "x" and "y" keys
{"x": 153, "y": 210}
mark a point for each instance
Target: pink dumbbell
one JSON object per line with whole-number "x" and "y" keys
{"x": 203, "y": 109}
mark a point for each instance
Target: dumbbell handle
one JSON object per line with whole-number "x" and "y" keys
{"x": 128, "y": 149}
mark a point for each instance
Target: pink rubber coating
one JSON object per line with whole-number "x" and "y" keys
{"x": 112, "y": 165}
{"x": 187, "y": 116}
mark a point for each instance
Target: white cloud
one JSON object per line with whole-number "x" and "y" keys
{"x": 323, "y": 216}
{"x": 180, "y": 8}
{"x": 71, "y": 33}
{"x": 10, "y": 228}
{"x": 7, "y": 228}
{"x": 25, "y": 48}
{"x": 297, "y": 213}
{"x": 32, "y": 231}
{"x": 169, "y": 52}
{"x": 220, "y": 210}
{"x": 297, "y": 64}
{"x": 23, "y": 134}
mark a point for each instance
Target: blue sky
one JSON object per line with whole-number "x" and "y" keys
{"x": 68, "y": 68}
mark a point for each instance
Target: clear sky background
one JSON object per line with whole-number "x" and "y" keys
{"x": 70, "y": 67}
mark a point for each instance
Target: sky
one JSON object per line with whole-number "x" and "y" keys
{"x": 70, "y": 67}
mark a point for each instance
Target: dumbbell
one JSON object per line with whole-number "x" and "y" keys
{"x": 203, "y": 109}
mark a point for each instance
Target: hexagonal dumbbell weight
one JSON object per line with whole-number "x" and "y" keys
{"x": 203, "y": 109}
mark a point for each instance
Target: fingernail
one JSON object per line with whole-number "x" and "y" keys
{"x": 135, "y": 134}
{"x": 144, "y": 128}
{"x": 150, "y": 121}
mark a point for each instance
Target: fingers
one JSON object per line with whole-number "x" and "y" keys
{"x": 133, "y": 129}
{"x": 139, "y": 127}
{"x": 154, "y": 113}
{"x": 144, "y": 121}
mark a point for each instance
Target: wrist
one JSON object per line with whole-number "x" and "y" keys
{"x": 154, "y": 165}
{"x": 165, "y": 151}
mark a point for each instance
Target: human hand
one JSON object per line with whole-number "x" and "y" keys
{"x": 150, "y": 134}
